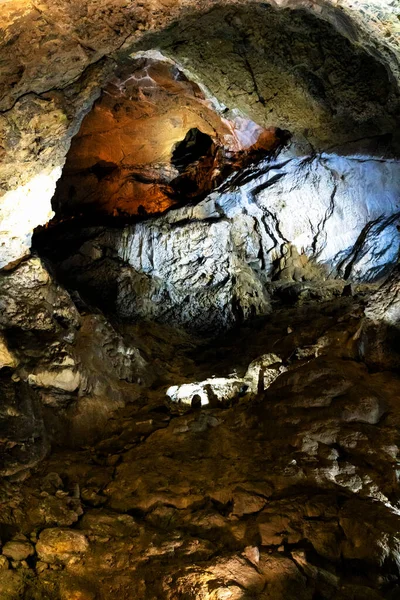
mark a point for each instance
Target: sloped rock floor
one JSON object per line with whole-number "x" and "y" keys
{"x": 290, "y": 495}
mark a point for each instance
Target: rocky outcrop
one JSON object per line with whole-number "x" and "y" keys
{"x": 63, "y": 374}
{"x": 380, "y": 335}
{"x": 208, "y": 266}
{"x": 285, "y": 69}
{"x": 218, "y": 391}
{"x": 35, "y": 136}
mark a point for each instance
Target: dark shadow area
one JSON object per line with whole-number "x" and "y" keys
{"x": 195, "y": 145}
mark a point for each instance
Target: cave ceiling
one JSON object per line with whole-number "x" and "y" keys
{"x": 325, "y": 71}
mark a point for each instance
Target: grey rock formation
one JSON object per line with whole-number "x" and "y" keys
{"x": 340, "y": 212}
{"x": 63, "y": 375}
{"x": 24, "y": 439}
{"x": 208, "y": 266}
{"x": 281, "y": 479}
{"x": 380, "y": 334}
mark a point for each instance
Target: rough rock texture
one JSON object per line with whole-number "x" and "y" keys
{"x": 285, "y": 494}
{"x": 380, "y": 336}
{"x": 69, "y": 374}
{"x": 286, "y": 69}
{"x": 35, "y": 136}
{"x": 211, "y": 265}
{"x": 60, "y": 545}
{"x": 56, "y": 56}
{"x": 141, "y": 461}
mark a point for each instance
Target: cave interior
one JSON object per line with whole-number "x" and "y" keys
{"x": 200, "y": 304}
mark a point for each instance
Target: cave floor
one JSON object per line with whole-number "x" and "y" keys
{"x": 290, "y": 493}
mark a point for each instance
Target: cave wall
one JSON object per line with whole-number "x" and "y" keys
{"x": 121, "y": 160}
{"x": 286, "y": 69}
{"x": 286, "y": 488}
{"x": 211, "y": 265}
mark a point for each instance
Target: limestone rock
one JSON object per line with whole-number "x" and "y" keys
{"x": 7, "y": 359}
{"x": 66, "y": 380}
{"x": 24, "y": 440}
{"x": 81, "y": 364}
{"x": 212, "y": 392}
{"x": 159, "y": 115}
{"x": 101, "y": 523}
{"x": 18, "y": 549}
{"x": 31, "y": 300}
{"x": 280, "y": 492}
{"x": 208, "y": 266}
{"x": 379, "y": 336}
{"x": 60, "y": 545}
{"x": 224, "y": 390}
{"x": 259, "y": 375}
{"x": 246, "y": 57}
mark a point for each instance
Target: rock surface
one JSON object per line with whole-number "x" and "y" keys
{"x": 379, "y": 338}
{"x": 280, "y": 493}
{"x": 209, "y": 266}
{"x": 18, "y": 549}
{"x": 130, "y": 157}
{"x": 68, "y": 372}
{"x": 60, "y": 545}
{"x": 141, "y": 460}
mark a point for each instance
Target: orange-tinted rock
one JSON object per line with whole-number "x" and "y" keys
{"x": 120, "y": 162}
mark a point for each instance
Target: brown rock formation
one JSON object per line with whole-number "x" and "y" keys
{"x": 121, "y": 161}
{"x": 285, "y": 492}
{"x": 253, "y": 454}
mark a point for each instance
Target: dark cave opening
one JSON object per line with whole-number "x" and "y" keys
{"x": 194, "y": 146}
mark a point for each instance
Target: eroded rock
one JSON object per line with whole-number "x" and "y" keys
{"x": 18, "y": 549}
{"x": 61, "y": 545}
{"x": 286, "y": 226}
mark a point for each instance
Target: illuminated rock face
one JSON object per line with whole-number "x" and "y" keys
{"x": 210, "y": 265}
{"x": 122, "y": 160}
{"x": 22, "y": 210}
{"x": 280, "y": 480}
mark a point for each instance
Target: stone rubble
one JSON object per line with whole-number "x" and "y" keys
{"x": 290, "y": 491}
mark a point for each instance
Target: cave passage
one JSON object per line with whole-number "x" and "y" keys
{"x": 195, "y": 146}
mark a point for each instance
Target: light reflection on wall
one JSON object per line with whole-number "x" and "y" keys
{"x": 22, "y": 210}
{"x": 333, "y": 208}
